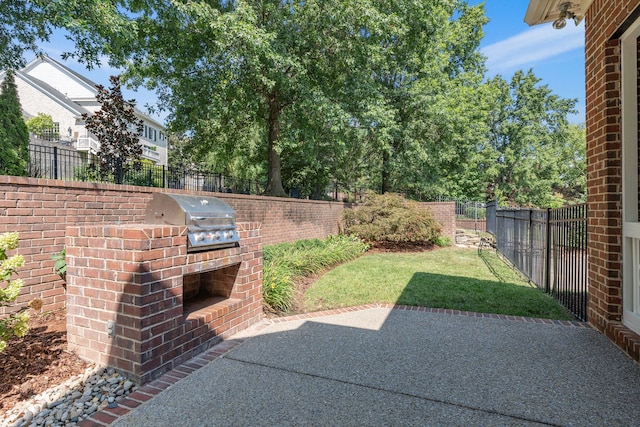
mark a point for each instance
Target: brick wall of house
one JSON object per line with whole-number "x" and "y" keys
{"x": 604, "y": 168}
{"x": 41, "y": 210}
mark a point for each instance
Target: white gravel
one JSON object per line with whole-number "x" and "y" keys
{"x": 72, "y": 401}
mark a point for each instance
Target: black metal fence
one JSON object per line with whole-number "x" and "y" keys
{"x": 550, "y": 248}
{"x": 491, "y": 224}
{"x": 58, "y": 162}
{"x": 55, "y": 162}
{"x": 470, "y": 215}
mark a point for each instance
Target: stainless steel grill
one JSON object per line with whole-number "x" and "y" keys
{"x": 211, "y": 222}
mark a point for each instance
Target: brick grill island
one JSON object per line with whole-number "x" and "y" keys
{"x": 139, "y": 302}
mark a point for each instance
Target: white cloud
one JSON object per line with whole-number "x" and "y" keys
{"x": 530, "y": 47}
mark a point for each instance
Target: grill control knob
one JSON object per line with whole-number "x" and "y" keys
{"x": 228, "y": 234}
{"x": 199, "y": 237}
{"x": 216, "y": 236}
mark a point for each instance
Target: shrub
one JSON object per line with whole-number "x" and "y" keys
{"x": 16, "y": 323}
{"x": 442, "y": 241}
{"x": 391, "y": 218}
{"x": 284, "y": 263}
{"x": 60, "y": 265}
{"x": 43, "y": 127}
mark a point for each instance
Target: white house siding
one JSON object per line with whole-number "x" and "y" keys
{"x": 33, "y": 101}
{"x": 65, "y": 95}
{"x": 61, "y": 81}
{"x": 91, "y": 105}
{"x": 155, "y": 135}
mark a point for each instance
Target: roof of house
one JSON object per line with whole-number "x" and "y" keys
{"x": 87, "y": 83}
{"x": 53, "y": 93}
{"x": 542, "y": 11}
{"x": 72, "y": 102}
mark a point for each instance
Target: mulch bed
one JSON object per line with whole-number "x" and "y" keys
{"x": 38, "y": 361}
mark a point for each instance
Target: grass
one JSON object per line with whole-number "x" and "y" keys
{"x": 453, "y": 278}
{"x": 284, "y": 263}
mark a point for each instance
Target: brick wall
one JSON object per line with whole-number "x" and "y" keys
{"x": 41, "y": 210}
{"x": 126, "y": 306}
{"x": 471, "y": 224}
{"x": 604, "y": 162}
{"x": 445, "y": 214}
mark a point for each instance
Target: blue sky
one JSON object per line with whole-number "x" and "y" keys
{"x": 556, "y": 56}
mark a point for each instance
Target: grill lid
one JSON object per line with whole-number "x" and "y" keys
{"x": 211, "y": 222}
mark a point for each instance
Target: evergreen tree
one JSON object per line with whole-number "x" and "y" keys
{"x": 14, "y": 136}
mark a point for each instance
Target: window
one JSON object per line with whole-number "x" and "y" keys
{"x": 630, "y": 189}
{"x": 52, "y": 134}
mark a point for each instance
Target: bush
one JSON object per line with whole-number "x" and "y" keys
{"x": 391, "y": 218}
{"x": 60, "y": 265}
{"x": 16, "y": 323}
{"x": 43, "y": 127}
{"x": 442, "y": 241}
{"x": 285, "y": 263}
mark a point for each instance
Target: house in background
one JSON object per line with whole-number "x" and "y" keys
{"x": 49, "y": 87}
{"x": 612, "y": 48}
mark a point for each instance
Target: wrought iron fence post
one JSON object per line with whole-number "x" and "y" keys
{"x": 530, "y": 231}
{"x": 547, "y": 261}
{"x": 475, "y": 217}
{"x": 55, "y": 162}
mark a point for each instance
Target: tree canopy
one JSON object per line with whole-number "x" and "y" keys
{"x": 385, "y": 95}
{"x": 22, "y": 25}
{"x": 40, "y": 125}
{"x": 530, "y": 144}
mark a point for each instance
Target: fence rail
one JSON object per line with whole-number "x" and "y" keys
{"x": 56, "y": 162}
{"x": 550, "y": 248}
{"x": 470, "y": 215}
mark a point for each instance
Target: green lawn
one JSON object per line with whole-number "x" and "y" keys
{"x": 454, "y": 278}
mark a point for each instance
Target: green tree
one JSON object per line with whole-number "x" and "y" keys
{"x": 528, "y": 141}
{"x": 572, "y": 164}
{"x": 40, "y": 125}
{"x": 385, "y": 93}
{"x": 117, "y": 129}
{"x": 426, "y": 60}
{"x": 14, "y": 136}
{"x": 180, "y": 153}
{"x": 22, "y": 26}
{"x": 239, "y": 73}
{"x": 316, "y": 91}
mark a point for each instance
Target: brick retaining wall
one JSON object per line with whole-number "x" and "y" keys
{"x": 40, "y": 210}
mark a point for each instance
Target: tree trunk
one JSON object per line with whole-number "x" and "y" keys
{"x": 384, "y": 187}
{"x": 274, "y": 184}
